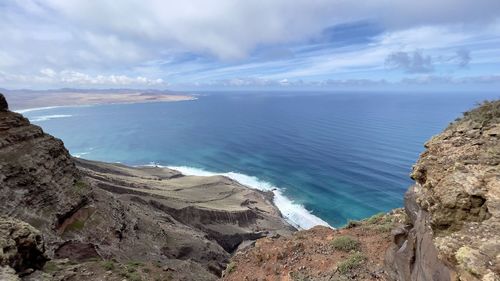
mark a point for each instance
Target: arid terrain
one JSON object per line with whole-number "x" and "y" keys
{"x": 24, "y": 99}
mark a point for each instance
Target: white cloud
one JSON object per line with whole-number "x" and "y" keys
{"x": 230, "y": 29}
{"x": 121, "y": 37}
{"x": 48, "y": 76}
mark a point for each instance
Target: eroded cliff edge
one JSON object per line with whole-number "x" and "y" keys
{"x": 454, "y": 206}
{"x": 449, "y": 229}
{"x": 70, "y": 219}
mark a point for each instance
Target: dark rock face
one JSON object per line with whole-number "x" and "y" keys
{"x": 37, "y": 176}
{"x": 77, "y": 251}
{"x": 3, "y": 103}
{"x": 413, "y": 255}
{"x": 454, "y": 207}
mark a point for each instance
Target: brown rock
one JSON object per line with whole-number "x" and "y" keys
{"x": 454, "y": 207}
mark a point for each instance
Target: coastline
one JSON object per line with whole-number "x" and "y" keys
{"x": 292, "y": 212}
{"x": 22, "y": 104}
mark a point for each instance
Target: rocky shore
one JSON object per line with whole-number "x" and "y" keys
{"x": 63, "y": 218}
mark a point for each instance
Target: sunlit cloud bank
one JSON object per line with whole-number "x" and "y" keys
{"x": 226, "y": 43}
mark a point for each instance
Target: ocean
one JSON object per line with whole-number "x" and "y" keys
{"x": 328, "y": 157}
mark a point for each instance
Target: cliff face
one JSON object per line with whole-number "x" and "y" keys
{"x": 454, "y": 206}
{"x": 37, "y": 175}
{"x": 71, "y": 219}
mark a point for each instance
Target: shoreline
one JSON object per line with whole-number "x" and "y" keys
{"x": 23, "y": 110}
{"x": 293, "y": 213}
{"x": 26, "y": 102}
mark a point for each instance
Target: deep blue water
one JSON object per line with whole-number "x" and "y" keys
{"x": 340, "y": 155}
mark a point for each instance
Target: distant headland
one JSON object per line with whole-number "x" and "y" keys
{"x": 26, "y": 99}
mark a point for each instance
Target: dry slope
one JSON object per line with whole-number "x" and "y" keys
{"x": 108, "y": 221}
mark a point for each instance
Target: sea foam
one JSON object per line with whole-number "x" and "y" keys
{"x": 42, "y": 118}
{"x": 21, "y": 111}
{"x": 294, "y": 213}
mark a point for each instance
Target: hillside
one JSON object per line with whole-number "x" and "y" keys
{"x": 88, "y": 220}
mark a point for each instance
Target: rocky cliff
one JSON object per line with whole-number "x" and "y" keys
{"x": 454, "y": 206}
{"x": 449, "y": 229}
{"x": 70, "y": 219}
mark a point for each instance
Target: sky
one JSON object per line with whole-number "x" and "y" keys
{"x": 258, "y": 44}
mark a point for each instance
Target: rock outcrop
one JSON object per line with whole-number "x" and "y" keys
{"x": 143, "y": 222}
{"x": 454, "y": 206}
{"x": 21, "y": 246}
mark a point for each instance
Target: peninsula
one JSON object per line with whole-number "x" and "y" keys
{"x": 27, "y": 99}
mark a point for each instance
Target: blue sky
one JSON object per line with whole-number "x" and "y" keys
{"x": 260, "y": 44}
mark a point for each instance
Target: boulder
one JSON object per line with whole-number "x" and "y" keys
{"x": 21, "y": 245}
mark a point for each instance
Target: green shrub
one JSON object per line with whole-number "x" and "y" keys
{"x": 79, "y": 184}
{"x": 134, "y": 264}
{"x": 375, "y": 218}
{"x": 108, "y": 265}
{"x": 352, "y": 262}
{"x": 230, "y": 267}
{"x": 345, "y": 243}
{"x": 353, "y": 223}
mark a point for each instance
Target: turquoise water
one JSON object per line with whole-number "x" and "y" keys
{"x": 339, "y": 156}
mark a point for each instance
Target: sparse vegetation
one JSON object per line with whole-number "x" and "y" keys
{"x": 50, "y": 267}
{"x": 487, "y": 112}
{"x": 135, "y": 264}
{"x": 80, "y": 186}
{"x": 379, "y": 222}
{"x": 345, "y": 243}
{"x": 131, "y": 275}
{"x": 108, "y": 265}
{"x": 134, "y": 277}
{"x": 230, "y": 267}
{"x": 352, "y": 262}
{"x": 353, "y": 223}
{"x": 375, "y": 218}
{"x": 75, "y": 226}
